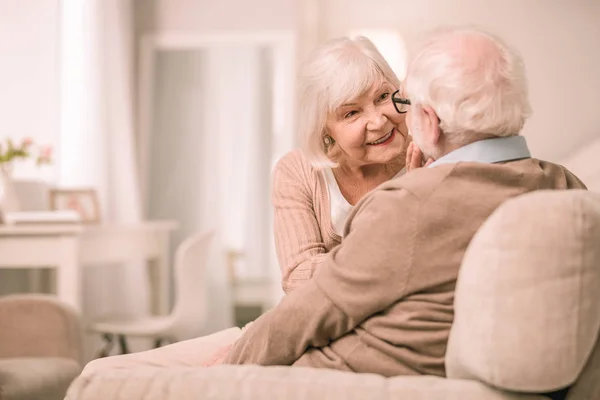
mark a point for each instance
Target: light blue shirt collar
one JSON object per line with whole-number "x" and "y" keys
{"x": 489, "y": 151}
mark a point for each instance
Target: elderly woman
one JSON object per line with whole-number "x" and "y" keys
{"x": 353, "y": 127}
{"x": 354, "y": 138}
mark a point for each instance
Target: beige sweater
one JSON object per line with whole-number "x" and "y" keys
{"x": 382, "y": 301}
{"x": 302, "y": 219}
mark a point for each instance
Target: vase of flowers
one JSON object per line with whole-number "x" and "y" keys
{"x": 9, "y": 153}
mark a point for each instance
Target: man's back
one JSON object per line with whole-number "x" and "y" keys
{"x": 442, "y": 207}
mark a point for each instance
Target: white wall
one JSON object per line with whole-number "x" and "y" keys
{"x": 210, "y": 15}
{"x": 224, "y": 14}
{"x": 585, "y": 164}
{"x": 559, "y": 40}
{"x": 29, "y": 72}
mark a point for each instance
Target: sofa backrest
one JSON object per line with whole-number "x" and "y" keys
{"x": 527, "y": 305}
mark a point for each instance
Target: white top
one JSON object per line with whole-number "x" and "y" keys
{"x": 339, "y": 208}
{"x": 338, "y": 205}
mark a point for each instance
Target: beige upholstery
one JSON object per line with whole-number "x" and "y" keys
{"x": 40, "y": 348}
{"x": 527, "y": 321}
{"x": 527, "y": 305}
{"x": 228, "y": 382}
{"x": 36, "y": 378}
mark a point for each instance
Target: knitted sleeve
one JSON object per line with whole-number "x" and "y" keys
{"x": 298, "y": 241}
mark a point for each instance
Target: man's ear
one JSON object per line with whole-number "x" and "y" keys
{"x": 431, "y": 123}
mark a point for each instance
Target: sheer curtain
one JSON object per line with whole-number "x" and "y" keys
{"x": 97, "y": 136}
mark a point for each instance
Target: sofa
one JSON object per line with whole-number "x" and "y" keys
{"x": 527, "y": 320}
{"x": 40, "y": 347}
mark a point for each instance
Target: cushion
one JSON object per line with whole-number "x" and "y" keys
{"x": 251, "y": 382}
{"x": 527, "y": 303}
{"x": 36, "y": 378}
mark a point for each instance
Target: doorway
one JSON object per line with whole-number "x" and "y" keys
{"x": 215, "y": 115}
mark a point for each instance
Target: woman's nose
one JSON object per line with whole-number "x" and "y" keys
{"x": 377, "y": 120}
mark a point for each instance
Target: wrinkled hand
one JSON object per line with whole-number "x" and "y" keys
{"x": 414, "y": 158}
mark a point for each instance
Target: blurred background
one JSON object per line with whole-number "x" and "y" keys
{"x": 175, "y": 111}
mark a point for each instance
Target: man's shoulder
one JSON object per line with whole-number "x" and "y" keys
{"x": 561, "y": 173}
{"x": 423, "y": 181}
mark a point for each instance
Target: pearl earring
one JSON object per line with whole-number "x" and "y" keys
{"x": 327, "y": 140}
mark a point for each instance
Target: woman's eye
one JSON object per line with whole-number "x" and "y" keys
{"x": 350, "y": 114}
{"x": 384, "y": 96}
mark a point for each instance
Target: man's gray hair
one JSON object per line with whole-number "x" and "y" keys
{"x": 474, "y": 81}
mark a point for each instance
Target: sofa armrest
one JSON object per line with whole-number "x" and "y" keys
{"x": 33, "y": 325}
{"x": 291, "y": 383}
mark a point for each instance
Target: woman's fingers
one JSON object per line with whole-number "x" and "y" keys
{"x": 416, "y": 158}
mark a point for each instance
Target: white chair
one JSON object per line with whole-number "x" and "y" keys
{"x": 189, "y": 314}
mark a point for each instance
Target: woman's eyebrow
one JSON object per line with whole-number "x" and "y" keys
{"x": 384, "y": 85}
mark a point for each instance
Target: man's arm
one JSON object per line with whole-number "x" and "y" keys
{"x": 364, "y": 275}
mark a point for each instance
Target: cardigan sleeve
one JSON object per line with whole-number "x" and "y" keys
{"x": 299, "y": 244}
{"x": 368, "y": 272}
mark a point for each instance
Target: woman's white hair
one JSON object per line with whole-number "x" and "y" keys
{"x": 475, "y": 83}
{"x": 336, "y": 72}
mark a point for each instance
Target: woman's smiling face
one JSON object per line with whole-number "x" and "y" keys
{"x": 368, "y": 129}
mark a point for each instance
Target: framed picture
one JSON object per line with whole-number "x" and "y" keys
{"x": 84, "y": 201}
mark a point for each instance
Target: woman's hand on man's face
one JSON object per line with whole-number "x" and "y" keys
{"x": 415, "y": 158}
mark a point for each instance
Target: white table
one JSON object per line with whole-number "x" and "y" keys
{"x": 30, "y": 246}
{"x": 68, "y": 247}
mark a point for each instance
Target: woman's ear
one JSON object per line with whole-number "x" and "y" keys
{"x": 331, "y": 150}
{"x": 431, "y": 123}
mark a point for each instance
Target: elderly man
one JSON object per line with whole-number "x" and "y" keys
{"x": 382, "y": 301}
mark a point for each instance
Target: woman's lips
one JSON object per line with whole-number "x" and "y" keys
{"x": 382, "y": 141}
